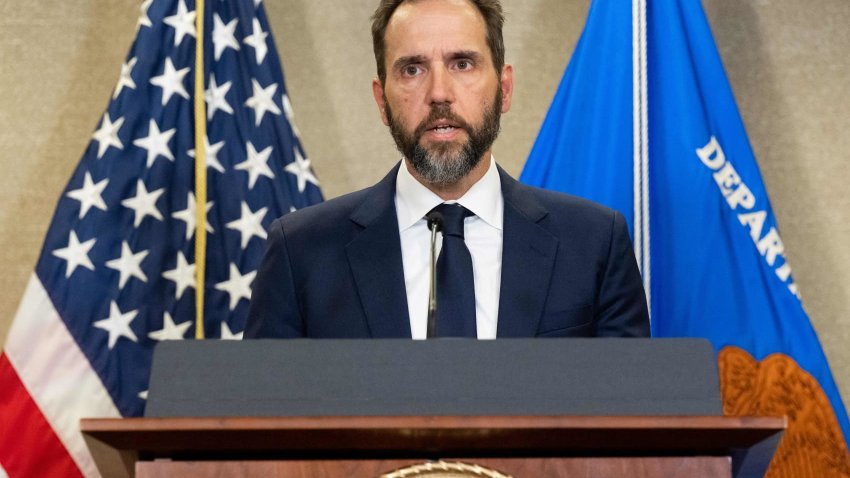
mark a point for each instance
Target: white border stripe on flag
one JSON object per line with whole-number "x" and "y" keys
{"x": 55, "y": 372}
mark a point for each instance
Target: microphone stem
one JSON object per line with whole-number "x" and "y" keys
{"x": 432, "y": 294}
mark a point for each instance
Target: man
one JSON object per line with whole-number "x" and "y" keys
{"x": 515, "y": 261}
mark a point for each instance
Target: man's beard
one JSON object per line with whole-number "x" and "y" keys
{"x": 443, "y": 164}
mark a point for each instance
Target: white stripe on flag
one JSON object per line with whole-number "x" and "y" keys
{"x": 55, "y": 372}
{"x": 3, "y": 473}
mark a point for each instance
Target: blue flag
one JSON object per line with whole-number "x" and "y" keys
{"x": 645, "y": 122}
{"x": 117, "y": 271}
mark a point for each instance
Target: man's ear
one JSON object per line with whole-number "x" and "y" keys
{"x": 378, "y": 92}
{"x": 506, "y": 83}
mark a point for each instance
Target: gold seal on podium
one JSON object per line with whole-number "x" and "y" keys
{"x": 444, "y": 469}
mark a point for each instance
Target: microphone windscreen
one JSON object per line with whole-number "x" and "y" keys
{"x": 435, "y": 220}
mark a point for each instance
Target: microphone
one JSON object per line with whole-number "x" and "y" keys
{"x": 435, "y": 224}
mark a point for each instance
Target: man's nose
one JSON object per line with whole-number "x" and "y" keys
{"x": 441, "y": 86}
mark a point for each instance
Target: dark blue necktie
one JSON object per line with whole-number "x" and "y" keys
{"x": 455, "y": 282}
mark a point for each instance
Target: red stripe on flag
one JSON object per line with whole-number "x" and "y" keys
{"x": 28, "y": 445}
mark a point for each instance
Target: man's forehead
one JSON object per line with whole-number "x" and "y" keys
{"x": 411, "y": 10}
{"x": 451, "y": 24}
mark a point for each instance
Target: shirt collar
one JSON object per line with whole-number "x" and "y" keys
{"x": 414, "y": 200}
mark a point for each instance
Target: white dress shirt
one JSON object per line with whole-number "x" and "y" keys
{"x": 483, "y": 235}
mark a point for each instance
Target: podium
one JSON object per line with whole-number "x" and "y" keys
{"x": 520, "y": 408}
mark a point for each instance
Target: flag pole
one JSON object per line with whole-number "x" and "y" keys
{"x": 640, "y": 141}
{"x": 200, "y": 172}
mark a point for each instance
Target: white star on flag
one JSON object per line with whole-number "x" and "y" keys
{"x": 227, "y": 334}
{"x": 256, "y": 165}
{"x": 183, "y": 22}
{"x": 183, "y": 275}
{"x": 129, "y": 264}
{"x": 222, "y": 36}
{"x": 107, "y": 135}
{"x": 170, "y": 330}
{"x": 250, "y": 224}
{"x": 215, "y": 98}
{"x": 144, "y": 20}
{"x": 89, "y": 195}
{"x": 171, "y": 81}
{"x": 301, "y": 169}
{"x": 189, "y": 216}
{"x": 156, "y": 143}
{"x": 238, "y": 286}
{"x": 117, "y": 324}
{"x": 211, "y": 154}
{"x": 75, "y": 254}
{"x": 290, "y": 114}
{"x": 257, "y": 40}
{"x": 143, "y": 203}
{"x": 126, "y": 78}
{"x": 262, "y": 101}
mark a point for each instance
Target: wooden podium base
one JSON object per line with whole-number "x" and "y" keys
{"x": 372, "y": 447}
{"x": 646, "y": 467}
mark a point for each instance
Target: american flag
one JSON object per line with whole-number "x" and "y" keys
{"x": 117, "y": 271}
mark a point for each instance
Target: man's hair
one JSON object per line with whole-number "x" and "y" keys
{"x": 491, "y": 10}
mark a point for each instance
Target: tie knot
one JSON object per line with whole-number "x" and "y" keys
{"x": 453, "y": 216}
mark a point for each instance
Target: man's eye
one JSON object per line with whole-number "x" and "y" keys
{"x": 410, "y": 70}
{"x": 464, "y": 65}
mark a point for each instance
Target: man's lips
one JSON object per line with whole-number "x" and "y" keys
{"x": 444, "y": 129}
{"x": 442, "y": 125}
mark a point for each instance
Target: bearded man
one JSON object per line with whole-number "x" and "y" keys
{"x": 514, "y": 261}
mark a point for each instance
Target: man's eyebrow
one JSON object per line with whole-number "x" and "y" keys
{"x": 468, "y": 54}
{"x": 408, "y": 60}
{"x": 455, "y": 55}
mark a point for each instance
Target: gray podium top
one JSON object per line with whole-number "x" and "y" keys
{"x": 435, "y": 377}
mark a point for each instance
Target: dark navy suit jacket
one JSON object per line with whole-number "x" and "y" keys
{"x": 334, "y": 270}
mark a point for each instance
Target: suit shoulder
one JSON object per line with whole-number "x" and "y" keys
{"x": 322, "y": 216}
{"x": 573, "y": 202}
{"x": 331, "y": 216}
{"x": 573, "y": 209}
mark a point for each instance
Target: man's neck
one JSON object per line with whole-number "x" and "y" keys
{"x": 454, "y": 191}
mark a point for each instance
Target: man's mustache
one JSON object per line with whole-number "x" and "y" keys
{"x": 441, "y": 111}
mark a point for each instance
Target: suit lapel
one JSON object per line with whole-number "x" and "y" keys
{"x": 528, "y": 256}
{"x": 375, "y": 259}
